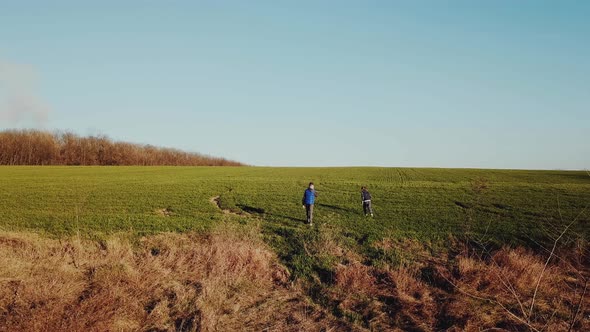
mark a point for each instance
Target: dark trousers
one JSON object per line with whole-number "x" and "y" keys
{"x": 367, "y": 207}
{"x": 309, "y": 212}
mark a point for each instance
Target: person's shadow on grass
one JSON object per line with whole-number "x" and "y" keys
{"x": 301, "y": 220}
{"x": 261, "y": 211}
{"x": 251, "y": 209}
{"x": 334, "y": 207}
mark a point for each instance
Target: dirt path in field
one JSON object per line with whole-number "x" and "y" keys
{"x": 215, "y": 200}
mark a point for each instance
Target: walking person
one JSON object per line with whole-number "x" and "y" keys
{"x": 366, "y": 199}
{"x": 308, "y": 201}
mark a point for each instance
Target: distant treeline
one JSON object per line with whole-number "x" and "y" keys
{"x": 35, "y": 147}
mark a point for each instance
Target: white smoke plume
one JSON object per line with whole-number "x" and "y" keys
{"x": 19, "y": 100}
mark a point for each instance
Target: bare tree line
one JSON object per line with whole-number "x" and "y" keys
{"x": 36, "y": 147}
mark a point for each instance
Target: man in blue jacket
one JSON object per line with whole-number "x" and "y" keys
{"x": 308, "y": 201}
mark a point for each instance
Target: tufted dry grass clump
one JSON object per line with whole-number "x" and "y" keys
{"x": 225, "y": 280}
{"x": 386, "y": 299}
{"x": 228, "y": 279}
{"x": 505, "y": 288}
{"x": 466, "y": 292}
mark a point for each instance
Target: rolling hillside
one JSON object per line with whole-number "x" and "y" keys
{"x": 458, "y": 249}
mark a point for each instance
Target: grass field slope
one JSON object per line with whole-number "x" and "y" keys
{"x": 511, "y": 206}
{"x": 457, "y": 249}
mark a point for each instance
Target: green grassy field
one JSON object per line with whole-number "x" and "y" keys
{"x": 427, "y": 204}
{"x": 427, "y": 221}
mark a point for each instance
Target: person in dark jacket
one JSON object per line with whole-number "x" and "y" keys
{"x": 308, "y": 201}
{"x": 366, "y": 199}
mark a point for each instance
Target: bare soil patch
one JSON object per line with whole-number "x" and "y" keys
{"x": 165, "y": 212}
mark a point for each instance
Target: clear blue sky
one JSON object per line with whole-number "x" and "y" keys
{"x": 494, "y": 84}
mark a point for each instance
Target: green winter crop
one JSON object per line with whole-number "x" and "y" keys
{"x": 507, "y": 206}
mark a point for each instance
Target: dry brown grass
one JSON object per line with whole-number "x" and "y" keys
{"x": 226, "y": 280}
{"x": 466, "y": 292}
{"x": 508, "y": 280}
{"x": 385, "y": 299}
{"x": 229, "y": 280}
